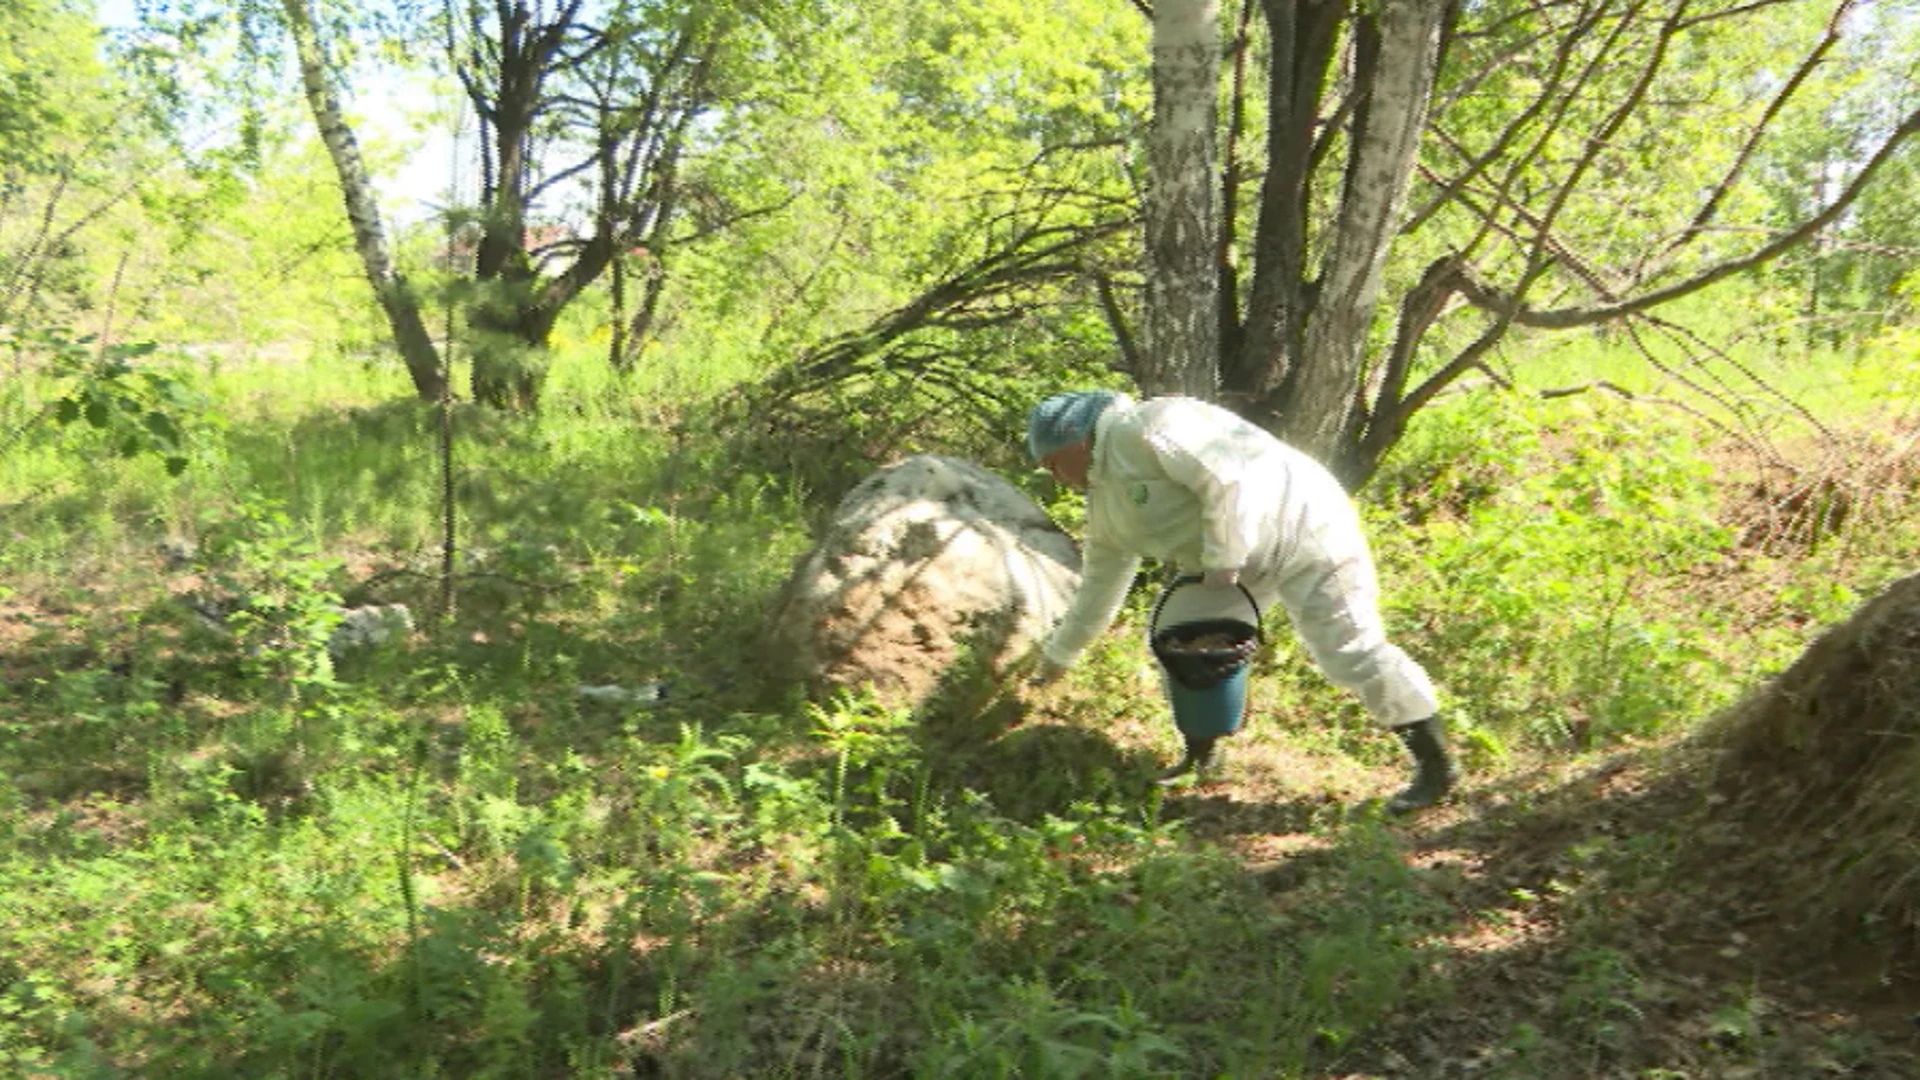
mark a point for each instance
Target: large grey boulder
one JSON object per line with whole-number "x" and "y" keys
{"x": 924, "y": 560}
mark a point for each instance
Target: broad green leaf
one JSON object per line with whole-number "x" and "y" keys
{"x": 162, "y": 426}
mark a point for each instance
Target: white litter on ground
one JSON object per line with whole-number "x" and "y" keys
{"x": 652, "y": 693}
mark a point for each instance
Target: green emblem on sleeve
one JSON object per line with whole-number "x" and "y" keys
{"x": 1139, "y": 494}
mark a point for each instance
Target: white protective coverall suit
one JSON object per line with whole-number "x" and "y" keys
{"x": 1194, "y": 485}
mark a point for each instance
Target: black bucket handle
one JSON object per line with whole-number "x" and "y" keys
{"x": 1153, "y": 624}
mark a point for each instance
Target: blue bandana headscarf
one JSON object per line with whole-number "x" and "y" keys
{"x": 1064, "y": 419}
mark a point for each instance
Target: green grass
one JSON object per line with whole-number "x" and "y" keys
{"x": 226, "y": 858}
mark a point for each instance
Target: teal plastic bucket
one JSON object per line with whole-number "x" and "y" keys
{"x": 1206, "y": 663}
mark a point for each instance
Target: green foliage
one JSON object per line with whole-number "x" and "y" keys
{"x": 449, "y": 863}
{"x": 47, "y": 69}
{"x": 133, "y": 408}
{"x": 1847, "y": 283}
{"x": 100, "y": 189}
{"x": 220, "y": 856}
{"x": 1549, "y": 542}
{"x": 551, "y": 896}
{"x": 254, "y": 269}
{"x": 279, "y": 584}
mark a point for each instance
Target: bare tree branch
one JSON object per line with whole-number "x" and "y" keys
{"x": 1045, "y": 253}
{"x": 1738, "y": 12}
{"x": 1491, "y": 223}
{"x": 1374, "y": 434}
{"x": 1550, "y": 85}
{"x": 1505, "y": 57}
{"x": 1622, "y": 392}
{"x": 1117, "y": 322}
{"x": 1496, "y": 301}
{"x": 1693, "y": 340}
{"x": 1786, "y": 92}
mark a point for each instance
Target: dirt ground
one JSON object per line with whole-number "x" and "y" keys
{"x": 1606, "y": 923}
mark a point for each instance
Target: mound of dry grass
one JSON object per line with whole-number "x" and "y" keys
{"x": 1820, "y": 769}
{"x": 1858, "y": 480}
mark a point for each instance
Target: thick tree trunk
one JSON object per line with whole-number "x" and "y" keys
{"x": 1397, "y": 51}
{"x": 1305, "y": 33}
{"x": 390, "y": 287}
{"x": 1182, "y": 329}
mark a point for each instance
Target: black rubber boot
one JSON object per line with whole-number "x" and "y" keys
{"x": 1433, "y": 770}
{"x": 1201, "y": 760}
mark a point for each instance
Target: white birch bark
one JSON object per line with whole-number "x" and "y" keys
{"x": 1182, "y": 319}
{"x": 363, "y": 213}
{"x": 1322, "y": 403}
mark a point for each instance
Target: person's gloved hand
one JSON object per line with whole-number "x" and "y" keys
{"x": 1221, "y": 579}
{"x": 1045, "y": 673}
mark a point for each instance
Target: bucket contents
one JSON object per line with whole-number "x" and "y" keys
{"x": 1202, "y": 643}
{"x": 1200, "y": 655}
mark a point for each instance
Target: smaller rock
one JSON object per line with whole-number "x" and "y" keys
{"x": 370, "y": 626}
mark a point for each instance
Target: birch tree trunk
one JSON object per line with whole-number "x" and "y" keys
{"x": 390, "y": 287}
{"x": 1395, "y": 59}
{"x": 1182, "y": 318}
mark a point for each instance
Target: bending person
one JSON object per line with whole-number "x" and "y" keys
{"x": 1196, "y": 486}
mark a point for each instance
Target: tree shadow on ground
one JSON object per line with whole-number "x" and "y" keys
{"x": 1040, "y": 769}
{"x": 1213, "y": 814}
{"x": 1601, "y": 922}
{"x": 445, "y": 1005}
{"x": 1607, "y": 927}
